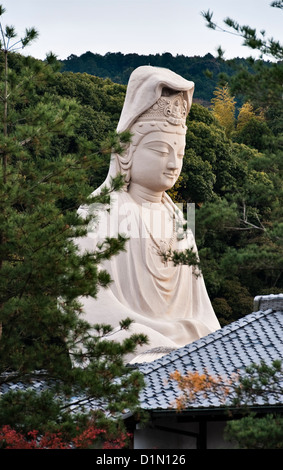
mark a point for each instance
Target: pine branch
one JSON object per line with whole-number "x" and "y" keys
{"x": 3, "y": 36}
{"x": 277, "y": 4}
{"x": 251, "y": 39}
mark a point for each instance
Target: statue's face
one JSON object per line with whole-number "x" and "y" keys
{"x": 157, "y": 160}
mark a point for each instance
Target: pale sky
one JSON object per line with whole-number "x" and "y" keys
{"x": 138, "y": 26}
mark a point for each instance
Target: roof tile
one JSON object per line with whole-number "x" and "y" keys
{"x": 256, "y": 337}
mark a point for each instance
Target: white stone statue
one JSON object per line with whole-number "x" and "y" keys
{"x": 168, "y": 303}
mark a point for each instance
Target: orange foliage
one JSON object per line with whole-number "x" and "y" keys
{"x": 193, "y": 383}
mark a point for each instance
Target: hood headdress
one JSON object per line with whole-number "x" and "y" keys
{"x": 149, "y": 97}
{"x": 145, "y": 88}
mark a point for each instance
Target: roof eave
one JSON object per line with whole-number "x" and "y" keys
{"x": 212, "y": 413}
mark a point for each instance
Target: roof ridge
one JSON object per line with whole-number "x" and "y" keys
{"x": 274, "y": 301}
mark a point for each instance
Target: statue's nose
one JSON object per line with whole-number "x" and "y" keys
{"x": 173, "y": 161}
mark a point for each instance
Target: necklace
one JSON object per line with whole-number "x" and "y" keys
{"x": 162, "y": 247}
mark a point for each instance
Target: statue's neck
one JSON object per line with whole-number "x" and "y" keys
{"x": 143, "y": 195}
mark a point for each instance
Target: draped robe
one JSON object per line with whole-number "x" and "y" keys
{"x": 168, "y": 303}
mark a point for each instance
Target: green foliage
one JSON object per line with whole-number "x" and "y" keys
{"x": 261, "y": 85}
{"x": 29, "y": 410}
{"x": 260, "y": 380}
{"x": 256, "y": 134}
{"x": 253, "y": 432}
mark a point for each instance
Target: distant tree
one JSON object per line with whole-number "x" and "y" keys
{"x": 223, "y": 108}
{"x": 255, "y": 133}
{"x": 246, "y": 113}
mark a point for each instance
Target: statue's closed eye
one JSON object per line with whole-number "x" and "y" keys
{"x": 161, "y": 152}
{"x": 159, "y": 148}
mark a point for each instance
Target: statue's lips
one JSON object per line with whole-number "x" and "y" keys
{"x": 170, "y": 175}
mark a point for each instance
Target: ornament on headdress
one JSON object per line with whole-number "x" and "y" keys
{"x": 171, "y": 108}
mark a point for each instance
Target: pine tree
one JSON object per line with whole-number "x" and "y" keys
{"x": 42, "y": 273}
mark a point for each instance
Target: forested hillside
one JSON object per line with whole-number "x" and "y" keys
{"x": 204, "y": 71}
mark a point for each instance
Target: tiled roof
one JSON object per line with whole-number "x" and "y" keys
{"x": 254, "y": 338}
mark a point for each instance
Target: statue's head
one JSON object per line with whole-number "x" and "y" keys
{"x": 156, "y": 106}
{"x": 155, "y": 155}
